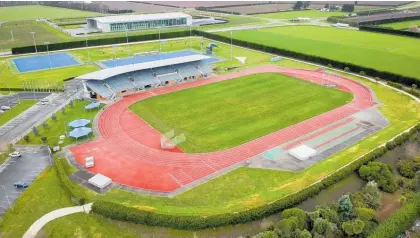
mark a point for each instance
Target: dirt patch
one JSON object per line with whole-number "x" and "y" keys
{"x": 389, "y": 204}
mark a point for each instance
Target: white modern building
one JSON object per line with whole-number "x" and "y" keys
{"x": 139, "y": 22}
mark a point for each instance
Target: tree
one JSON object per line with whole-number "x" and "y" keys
{"x": 306, "y": 4}
{"x": 26, "y": 138}
{"x": 35, "y": 131}
{"x": 371, "y": 195}
{"x": 44, "y": 140}
{"x": 362, "y": 73}
{"x": 305, "y": 234}
{"x": 320, "y": 226}
{"x": 328, "y": 213}
{"x": 63, "y": 110}
{"x": 330, "y": 66}
{"x": 285, "y": 227}
{"x": 71, "y": 104}
{"x": 266, "y": 234}
{"x": 345, "y": 206}
{"x": 377, "y": 79}
{"x": 327, "y": 6}
{"x": 354, "y": 227}
{"x": 414, "y": 86}
{"x": 365, "y": 214}
{"x": 54, "y": 117}
{"x": 381, "y": 173}
{"x": 298, "y": 5}
{"x": 45, "y": 124}
{"x": 347, "y": 69}
{"x": 295, "y": 212}
{"x": 348, "y": 8}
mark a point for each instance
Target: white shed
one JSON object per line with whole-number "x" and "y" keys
{"x": 100, "y": 181}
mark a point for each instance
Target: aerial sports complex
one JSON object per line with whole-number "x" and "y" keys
{"x": 133, "y": 151}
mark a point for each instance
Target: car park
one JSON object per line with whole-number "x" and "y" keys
{"x": 5, "y": 107}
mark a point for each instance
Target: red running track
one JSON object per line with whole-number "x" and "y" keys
{"x": 129, "y": 150}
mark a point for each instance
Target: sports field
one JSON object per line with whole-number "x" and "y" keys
{"x": 402, "y": 25}
{"x": 22, "y": 36}
{"x": 32, "y": 12}
{"x": 295, "y": 14}
{"x": 226, "y": 114}
{"x": 395, "y": 54}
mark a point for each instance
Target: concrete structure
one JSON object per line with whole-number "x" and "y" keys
{"x": 302, "y": 152}
{"x": 100, "y": 181}
{"x": 139, "y": 22}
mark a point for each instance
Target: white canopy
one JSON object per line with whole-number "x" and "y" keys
{"x": 100, "y": 181}
{"x": 302, "y": 152}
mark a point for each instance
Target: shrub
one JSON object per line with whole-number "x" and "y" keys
{"x": 353, "y": 227}
{"x": 44, "y": 140}
{"x": 71, "y": 104}
{"x": 362, "y": 73}
{"x": 381, "y": 173}
{"x": 63, "y": 110}
{"x": 26, "y": 138}
{"x": 295, "y": 212}
{"x": 347, "y": 69}
{"x": 371, "y": 195}
{"x": 54, "y": 117}
{"x": 365, "y": 214}
{"x": 330, "y": 66}
{"x": 45, "y": 124}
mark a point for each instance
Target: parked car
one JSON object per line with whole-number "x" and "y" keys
{"x": 15, "y": 154}
{"x": 5, "y": 107}
{"x": 42, "y": 103}
{"x": 1, "y": 111}
{"x": 44, "y": 100}
{"x": 21, "y": 184}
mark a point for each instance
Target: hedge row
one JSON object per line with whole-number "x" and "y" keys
{"x": 411, "y": 91}
{"x": 124, "y": 213}
{"x": 69, "y": 186}
{"x": 98, "y": 42}
{"x": 375, "y": 12}
{"x": 315, "y": 59}
{"x": 389, "y": 31}
{"x": 399, "y": 221}
{"x": 31, "y": 89}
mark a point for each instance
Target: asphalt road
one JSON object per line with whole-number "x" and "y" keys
{"x": 26, "y": 168}
{"x": 5, "y": 100}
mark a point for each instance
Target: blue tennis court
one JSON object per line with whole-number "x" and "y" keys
{"x": 149, "y": 58}
{"x": 41, "y": 62}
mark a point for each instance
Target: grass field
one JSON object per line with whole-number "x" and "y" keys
{"x": 59, "y": 127}
{"x": 16, "y": 110}
{"x": 229, "y": 113}
{"x": 295, "y": 14}
{"x": 402, "y": 25}
{"x": 32, "y": 12}
{"x": 22, "y": 36}
{"x": 384, "y": 52}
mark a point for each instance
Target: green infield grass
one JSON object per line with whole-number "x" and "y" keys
{"x": 33, "y": 12}
{"x": 22, "y": 34}
{"x": 295, "y": 14}
{"x": 395, "y": 54}
{"x": 58, "y": 127}
{"x": 75, "y": 26}
{"x": 16, "y": 110}
{"x": 229, "y": 113}
{"x": 402, "y": 25}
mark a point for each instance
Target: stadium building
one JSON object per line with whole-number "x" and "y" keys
{"x": 151, "y": 72}
{"x": 138, "y": 22}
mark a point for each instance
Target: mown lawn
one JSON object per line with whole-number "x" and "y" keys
{"x": 402, "y": 25}
{"x": 16, "y": 110}
{"x": 56, "y": 128}
{"x": 229, "y": 113}
{"x": 32, "y": 12}
{"x": 295, "y": 14}
{"x": 383, "y": 52}
{"x": 45, "y": 195}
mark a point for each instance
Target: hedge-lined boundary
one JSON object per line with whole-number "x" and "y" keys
{"x": 390, "y": 31}
{"x": 124, "y": 213}
{"x": 314, "y": 59}
{"x": 68, "y": 185}
{"x": 398, "y": 222}
{"x": 99, "y": 42}
{"x": 411, "y": 91}
{"x": 32, "y": 89}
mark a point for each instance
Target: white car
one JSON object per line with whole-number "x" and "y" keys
{"x": 15, "y": 154}
{"x": 44, "y": 100}
{"x": 43, "y": 103}
{"x": 5, "y": 107}
{"x": 1, "y": 111}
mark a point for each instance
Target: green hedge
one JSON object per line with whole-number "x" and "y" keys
{"x": 69, "y": 186}
{"x": 99, "y": 42}
{"x": 389, "y": 31}
{"x": 124, "y": 213}
{"x": 312, "y": 58}
{"x": 398, "y": 222}
{"x": 411, "y": 91}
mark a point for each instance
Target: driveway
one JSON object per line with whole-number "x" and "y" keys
{"x": 26, "y": 168}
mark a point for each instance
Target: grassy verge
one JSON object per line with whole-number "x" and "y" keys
{"x": 402, "y": 25}
{"x": 234, "y": 111}
{"x": 45, "y": 195}
{"x": 295, "y": 14}
{"x": 16, "y": 110}
{"x": 58, "y": 127}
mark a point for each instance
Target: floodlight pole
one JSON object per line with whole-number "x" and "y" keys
{"x": 160, "y": 43}
{"x": 7, "y": 197}
{"x": 115, "y": 53}
{"x": 190, "y": 38}
{"x": 231, "y": 49}
{"x": 33, "y": 37}
{"x": 87, "y": 46}
{"x": 48, "y": 52}
{"x": 126, "y": 36}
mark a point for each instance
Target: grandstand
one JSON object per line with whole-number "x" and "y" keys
{"x": 127, "y": 79}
